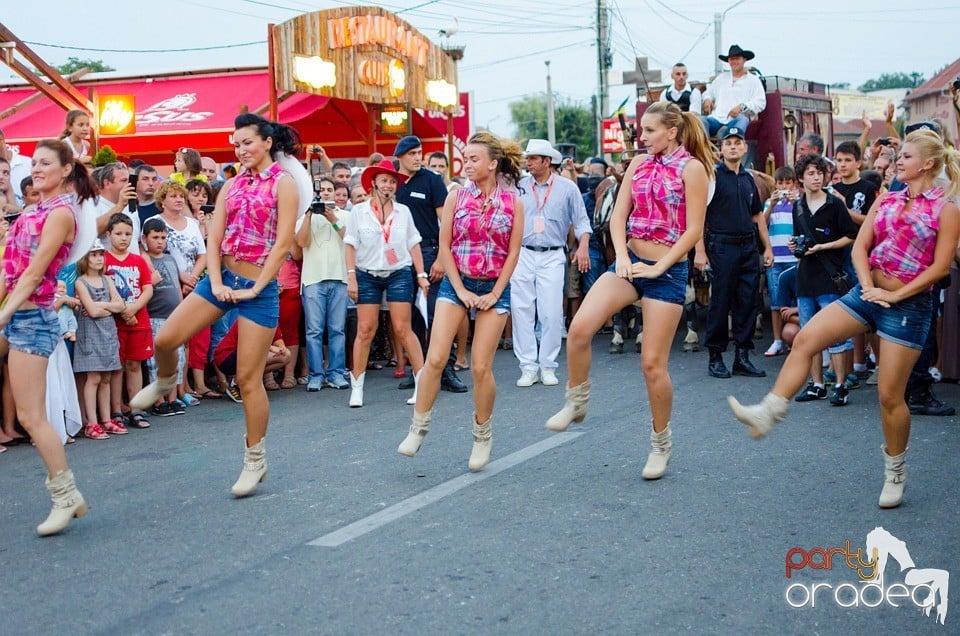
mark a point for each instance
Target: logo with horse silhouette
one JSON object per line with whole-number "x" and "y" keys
{"x": 924, "y": 588}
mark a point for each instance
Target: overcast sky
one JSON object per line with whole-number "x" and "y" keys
{"x": 507, "y": 42}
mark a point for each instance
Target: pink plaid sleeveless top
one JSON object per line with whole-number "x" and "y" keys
{"x": 904, "y": 244}
{"x": 22, "y": 242}
{"x": 252, "y": 215}
{"x": 481, "y": 231}
{"x": 659, "y": 211}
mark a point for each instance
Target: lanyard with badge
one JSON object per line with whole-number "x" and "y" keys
{"x": 386, "y": 227}
{"x": 538, "y": 225}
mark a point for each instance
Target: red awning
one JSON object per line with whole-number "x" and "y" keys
{"x": 198, "y": 110}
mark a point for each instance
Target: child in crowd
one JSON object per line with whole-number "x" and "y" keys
{"x": 9, "y": 204}
{"x": 75, "y": 135}
{"x": 225, "y": 358}
{"x": 98, "y": 347}
{"x": 133, "y": 281}
{"x": 166, "y": 296}
{"x": 66, "y": 306}
{"x": 779, "y": 217}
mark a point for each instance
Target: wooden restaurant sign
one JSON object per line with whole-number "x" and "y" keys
{"x": 364, "y": 54}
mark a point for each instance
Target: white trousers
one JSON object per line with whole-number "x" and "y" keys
{"x": 536, "y": 293}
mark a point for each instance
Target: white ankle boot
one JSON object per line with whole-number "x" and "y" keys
{"x": 254, "y": 469}
{"x": 418, "y": 430}
{"x": 482, "y": 442}
{"x": 68, "y": 503}
{"x": 416, "y": 384}
{"x": 356, "y": 390}
{"x": 760, "y": 417}
{"x": 148, "y": 395}
{"x": 574, "y": 407}
{"x": 660, "y": 446}
{"x": 894, "y": 479}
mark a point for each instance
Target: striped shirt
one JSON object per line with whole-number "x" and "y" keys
{"x": 481, "y": 231}
{"x": 781, "y": 229}
{"x": 904, "y": 245}
{"x": 23, "y": 240}
{"x": 251, "y": 228}
{"x": 659, "y": 201}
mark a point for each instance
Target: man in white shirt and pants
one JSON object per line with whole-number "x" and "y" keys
{"x": 552, "y": 204}
{"x": 734, "y": 96}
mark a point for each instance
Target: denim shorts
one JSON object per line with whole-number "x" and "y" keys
{"x": 263, "y": 310}
{"x": 808, "y": 306}
{"x": 398, "y": 285}
{"x": 478, "y": 286}
{"x": 670, "y": 287}
{"x": 906, "y": 323}
{"x": 33, "y": 331}
{"x": 773, "y": 282}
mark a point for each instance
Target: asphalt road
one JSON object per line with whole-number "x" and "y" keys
{"x": 559, "y": 536}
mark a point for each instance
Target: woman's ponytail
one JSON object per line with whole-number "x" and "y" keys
{"x": 82, "y": 182}
{"x": 694, "y": 139}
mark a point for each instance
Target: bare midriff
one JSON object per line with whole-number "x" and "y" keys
{"x": 648, "y": 249}
{"x": 241, "y": 268}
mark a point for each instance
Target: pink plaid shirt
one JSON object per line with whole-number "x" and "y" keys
{"x": 22, "y": 242}
{"x": 659, "y": 202}
{"x": 252, "y": 215}
{"x": 903, "y": 245}
{"x": 481, "y": 231}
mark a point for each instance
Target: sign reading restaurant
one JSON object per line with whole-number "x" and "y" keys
{"x": 363, "y": 54}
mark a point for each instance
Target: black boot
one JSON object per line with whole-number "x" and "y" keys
{"x": 743, "y": 366}
{"x": 407, "y": 382}
{"x": 716, "y": 367}
{"x": 924, "y": 402}
{"x": 450, "y": 382}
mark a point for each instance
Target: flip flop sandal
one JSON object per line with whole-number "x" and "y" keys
{"x": 271, "y": 384}
{"x": 289, "y": 382}
{"x": 210, "y": 394}
{"x": 392, "y": 362}
{"x": 458, "y": 367}
{"x": 374, "y": 366}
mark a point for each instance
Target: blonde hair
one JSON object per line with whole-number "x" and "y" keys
{"x": 505, "y": 152}
{"x": 166, "y": 189}
{"x": 931, "y": 146}
{"x": 690, "y": 132}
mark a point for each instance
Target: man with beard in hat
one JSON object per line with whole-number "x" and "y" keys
{"x": 425, "y": 193}
{"x": 734, "y": 96}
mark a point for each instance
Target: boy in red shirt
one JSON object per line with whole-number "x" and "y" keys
{"x": 132, "y": 277}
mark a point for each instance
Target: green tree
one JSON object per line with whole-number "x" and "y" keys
{"x": 893, "y": 80}
{"x": 574, "y": 122}
{"x": 74, "y": 64}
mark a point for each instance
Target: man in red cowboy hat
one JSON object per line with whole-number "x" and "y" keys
{"x": 734, "y": 96}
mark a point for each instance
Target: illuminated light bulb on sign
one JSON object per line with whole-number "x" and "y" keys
{"x": 314, "y": 71}
{"x": 117, "y": 115}
{"x": 442, "y": 93}
{"x": 398, "y": 78}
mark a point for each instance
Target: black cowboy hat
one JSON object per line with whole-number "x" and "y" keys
{"x": 734, "y": 51}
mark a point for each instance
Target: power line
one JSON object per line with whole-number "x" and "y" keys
{"x": 95, "y": 50}
{"x": 678, "y": 14}
{"x": 472, "y": 67}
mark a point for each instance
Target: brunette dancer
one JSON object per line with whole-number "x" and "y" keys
{"x": 38, "y": 245}
{"x": 480, "y": 236}
{"x": 905, "y": 245}
{"x": 249, "y": 238}
{"x": 657, "y": 220}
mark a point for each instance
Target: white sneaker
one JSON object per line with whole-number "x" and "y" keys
{"x": 529, "y": 378}
{"x": 935, "y": 374}
{"x": 775, "y": 349}
{"x": 548, "y": 377}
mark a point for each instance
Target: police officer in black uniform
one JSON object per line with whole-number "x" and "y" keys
{"x": 425, "y": 193}
{"x": 730, "y": 249}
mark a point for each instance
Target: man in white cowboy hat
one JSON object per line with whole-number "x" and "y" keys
{"x": 551, "y": 206}
{"x": 734, "y": 96}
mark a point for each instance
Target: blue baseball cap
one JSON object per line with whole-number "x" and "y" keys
{"x": 733, "y": 131}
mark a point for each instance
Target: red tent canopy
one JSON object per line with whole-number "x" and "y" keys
{"x": 197, "y": 111}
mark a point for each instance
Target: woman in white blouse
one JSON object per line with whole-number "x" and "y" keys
{"x": 382, "y": 243}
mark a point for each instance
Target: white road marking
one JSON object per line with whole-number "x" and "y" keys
{"x": 438, "y": 492}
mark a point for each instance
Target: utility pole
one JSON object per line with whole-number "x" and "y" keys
{"x": 718, "y": 35}
{"x": 604, "y": 62}
{"x": 551, "y": 124}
